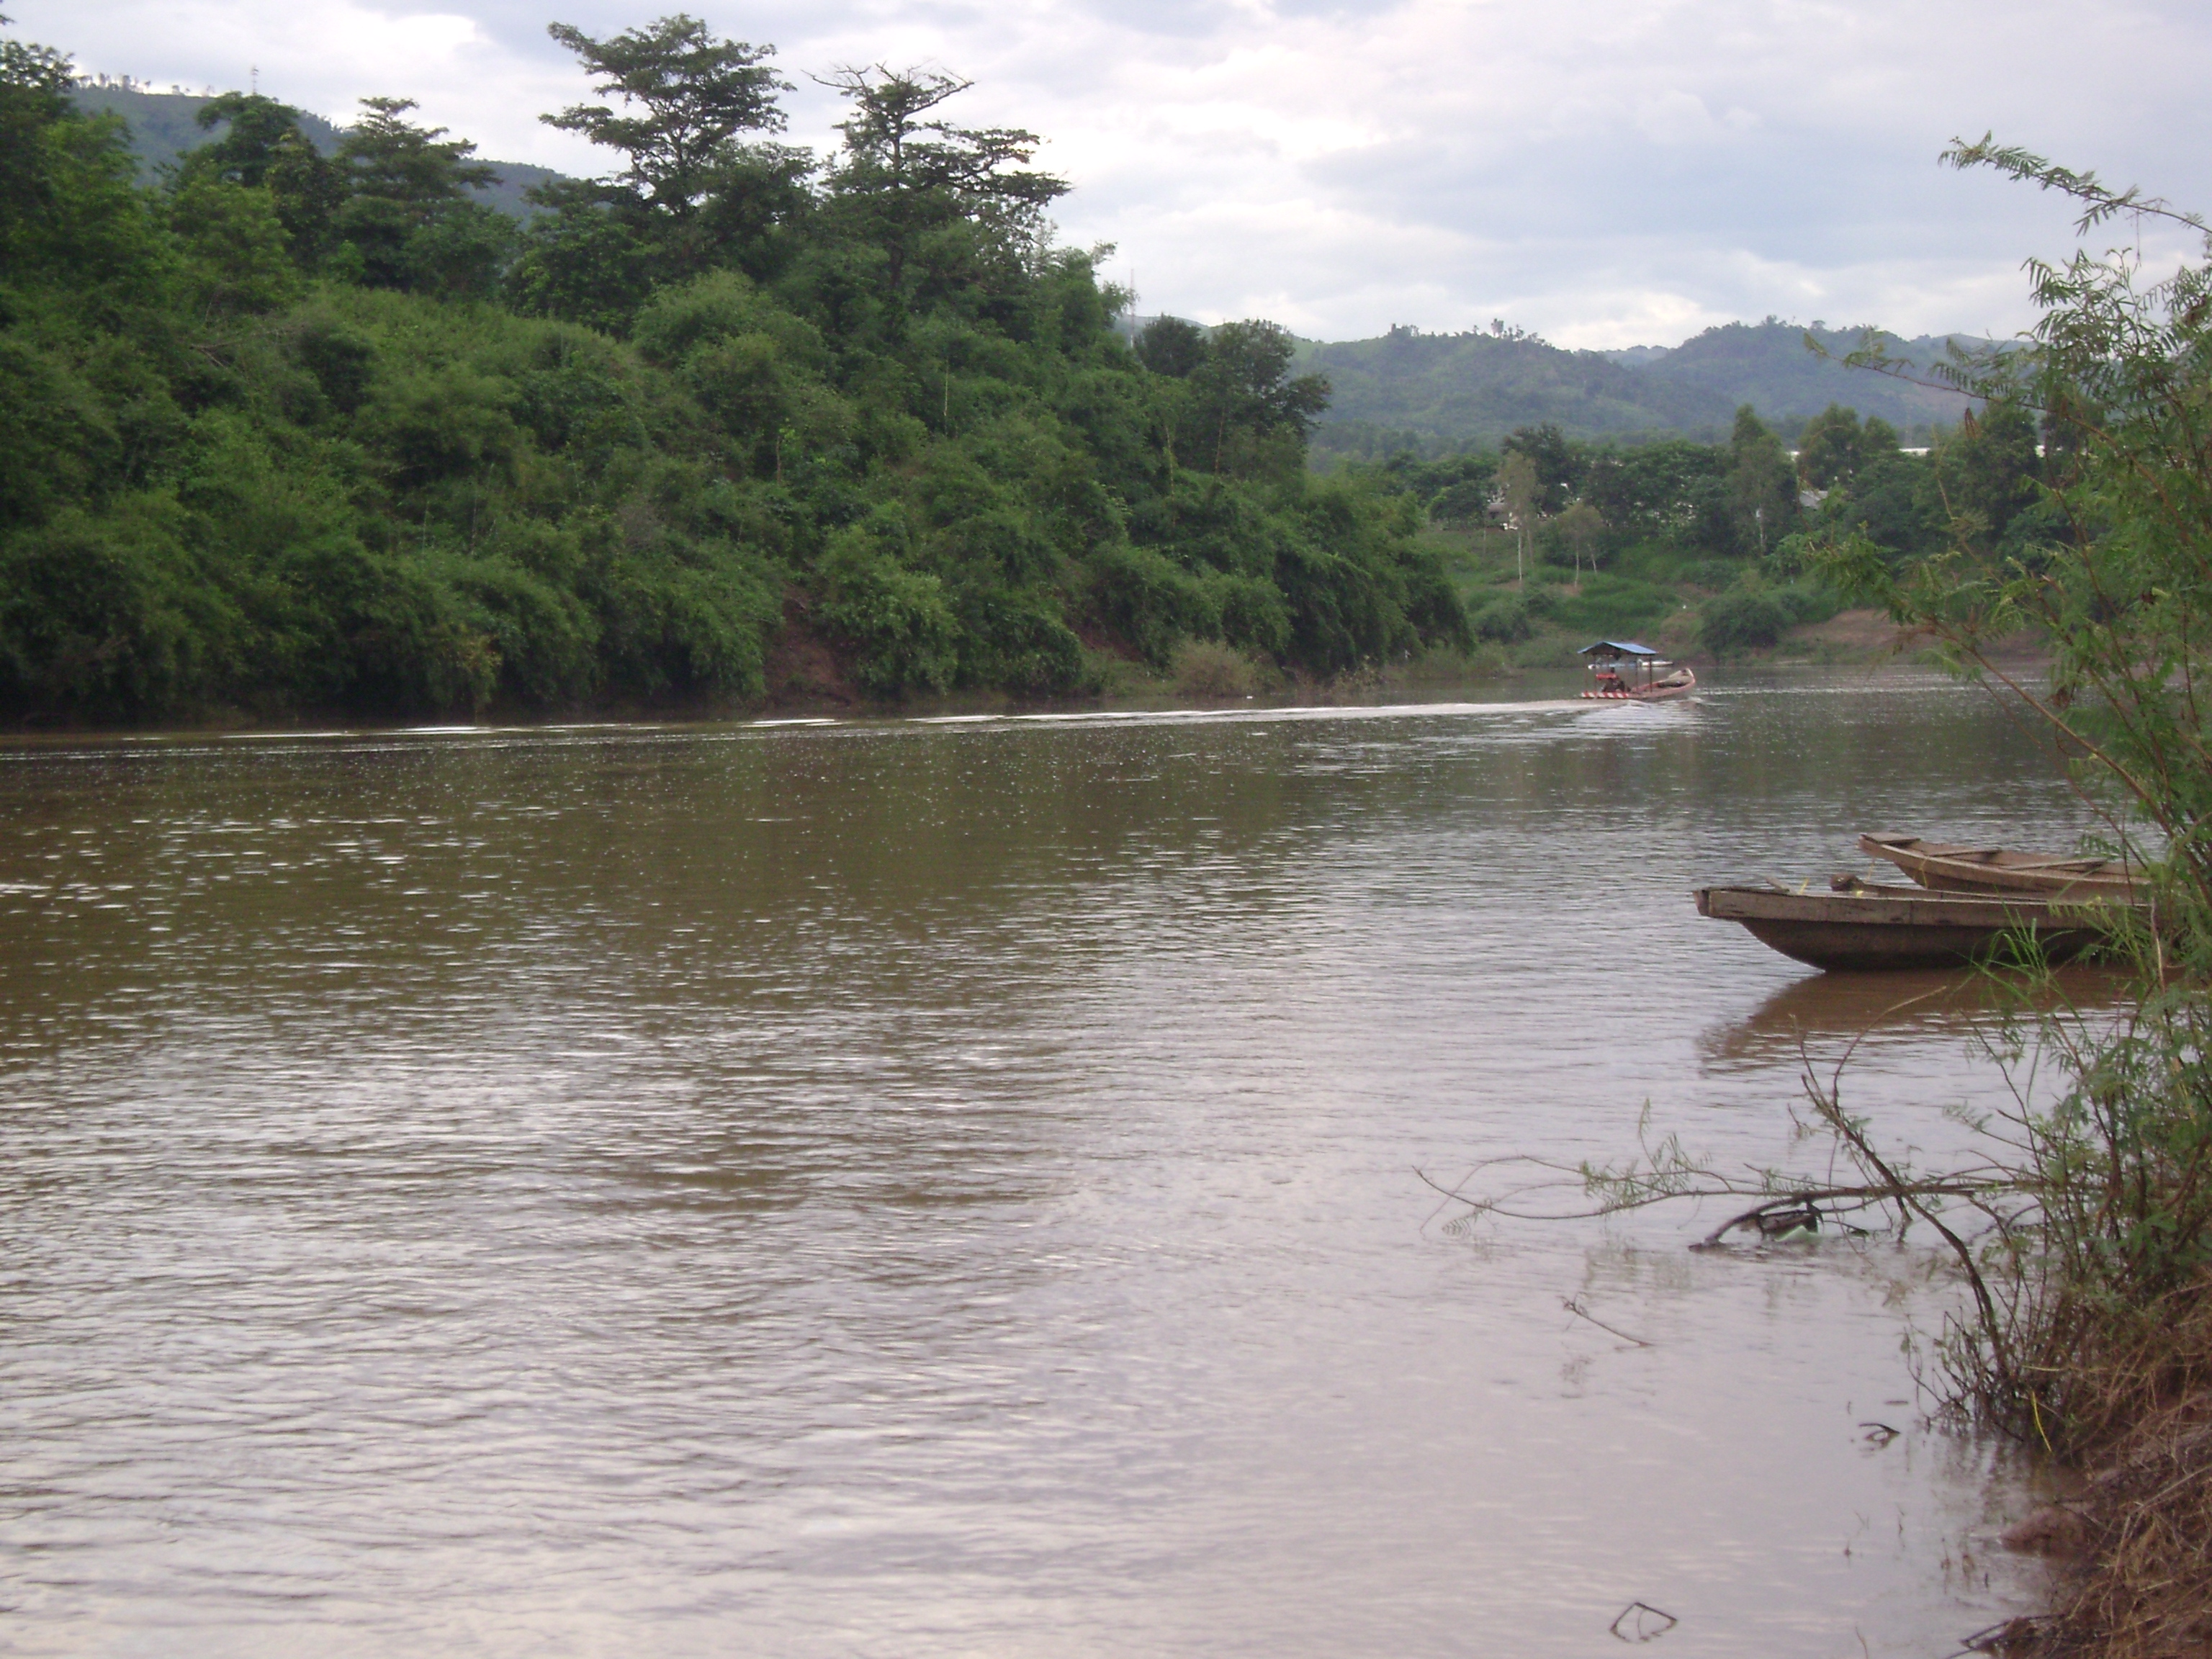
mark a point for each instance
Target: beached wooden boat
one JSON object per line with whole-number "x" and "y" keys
{"x": 1862, "y": 927}
{"x": 1966, "y": 869}
{"x": 1628, "y": 672}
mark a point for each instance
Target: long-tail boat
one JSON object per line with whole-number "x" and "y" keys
{"x": 1962, "y": 868}
{"x": 1628, "y": 672}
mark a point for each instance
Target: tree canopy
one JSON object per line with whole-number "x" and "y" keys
{"x": 692, "y": 94}
{"x": 292, "y": 433}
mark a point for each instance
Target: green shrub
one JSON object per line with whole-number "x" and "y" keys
{"x": 1743, "y": 620}
{"x": 906, "y": 637}
{"x": 107, "y": 616}
{"x": 1808, "y": 602}
{"x": 546, "y": 639}
{"x": 1504, "y": 621}
{"x": 1151, "y": 602}
{"x": 1253, "y": 614}
{"x": 1014, "y": 638}
{"x": 1204, "y": 669}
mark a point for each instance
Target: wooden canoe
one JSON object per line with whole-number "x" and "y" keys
{"x": 1963, "y": 869}
{"x": 1884, "y": 928}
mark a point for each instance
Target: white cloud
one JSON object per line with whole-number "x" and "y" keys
{"x": 1604, "y": 171}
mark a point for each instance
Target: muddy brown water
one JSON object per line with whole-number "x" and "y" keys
{"x": 949, "y": 1187}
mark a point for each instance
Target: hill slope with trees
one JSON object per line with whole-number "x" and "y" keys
{"x": 1768, "y": 364}
{"x": 1436, "y": 393}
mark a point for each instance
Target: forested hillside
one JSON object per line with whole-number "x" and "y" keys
{"x": 1476, "y": 387}
{"x": 289, "y": 431}
{"x": 1768, "y": 365}
{"x": 1436, "y": 393}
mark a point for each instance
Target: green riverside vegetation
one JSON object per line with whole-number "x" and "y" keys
{"x": 289, "y": 433}
{"x": 1553, "y": 540}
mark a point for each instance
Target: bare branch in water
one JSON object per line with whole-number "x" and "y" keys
{"x": 1626, "y": 1188}
{"x": 1573, "y": 1305}
{"x": 1644, "y": 1622}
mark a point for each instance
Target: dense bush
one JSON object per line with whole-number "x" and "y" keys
{"x": 1504, "y": 621}
{"x": 1743, "y": 619}
{"x": 1213, "y": 672}
{"x": 1808, "y": 602}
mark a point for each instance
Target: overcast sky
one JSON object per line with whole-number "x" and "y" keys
{"x": 1604, "y": 171}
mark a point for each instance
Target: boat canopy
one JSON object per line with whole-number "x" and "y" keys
{"x": 1618, "y": 648}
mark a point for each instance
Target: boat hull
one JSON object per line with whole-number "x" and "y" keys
{"x": 1948, "y": 869}
{"x": 1895, "y": 927}
{"x": 1679, "y": 684}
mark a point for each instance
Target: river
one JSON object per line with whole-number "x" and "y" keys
{"x": 920, "y": 1188}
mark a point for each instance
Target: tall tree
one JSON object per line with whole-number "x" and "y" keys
{"x": 246, "y": 147}
{"x": 407, "y": 210}
{"x": 1829, "y": 449}
{"x": 1558, "y": 467}
{"x": 262, "y": 145}
{"x": 686, "y": 97}
{"x": 1834, "y": 449}
{"x": 69, "y": 208}
{"x": 34, "y": 84}
{"x": 1170, "y": 346}
{"x": 1246, "y": 387}
{"x": 390, "y": 158}
{"x": 308, "y": 189}
{"x": 1988, "y": 470}
{"x": 1583, "y": 527}
{"x": 695, "y": 191}
{"x": 1522, "y": 486}
{"x": 1762, "y": 483}
{"x": 907, "y": 175}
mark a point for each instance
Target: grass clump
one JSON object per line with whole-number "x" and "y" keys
{"x": 1208, "y": 672}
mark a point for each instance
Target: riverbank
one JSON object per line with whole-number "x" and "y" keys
{"x": 2137, "y": 1542}
{"x": 1688, "y": 603}
{"x": 2131, "y": 1538}
{"x": 811, "y": 675}
{"x": 1529, "y": 613}
{"x": 809, "y": 671}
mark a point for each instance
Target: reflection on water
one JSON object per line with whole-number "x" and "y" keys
{"x": 916, "y": 1189}
{"x": 1825, "y": 1014}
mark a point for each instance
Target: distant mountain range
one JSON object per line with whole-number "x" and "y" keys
{"x": 162, "y": 128}
{"x": 1443, "y": 391}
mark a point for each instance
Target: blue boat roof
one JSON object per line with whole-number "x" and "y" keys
{"x": 1626, "y": 647}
